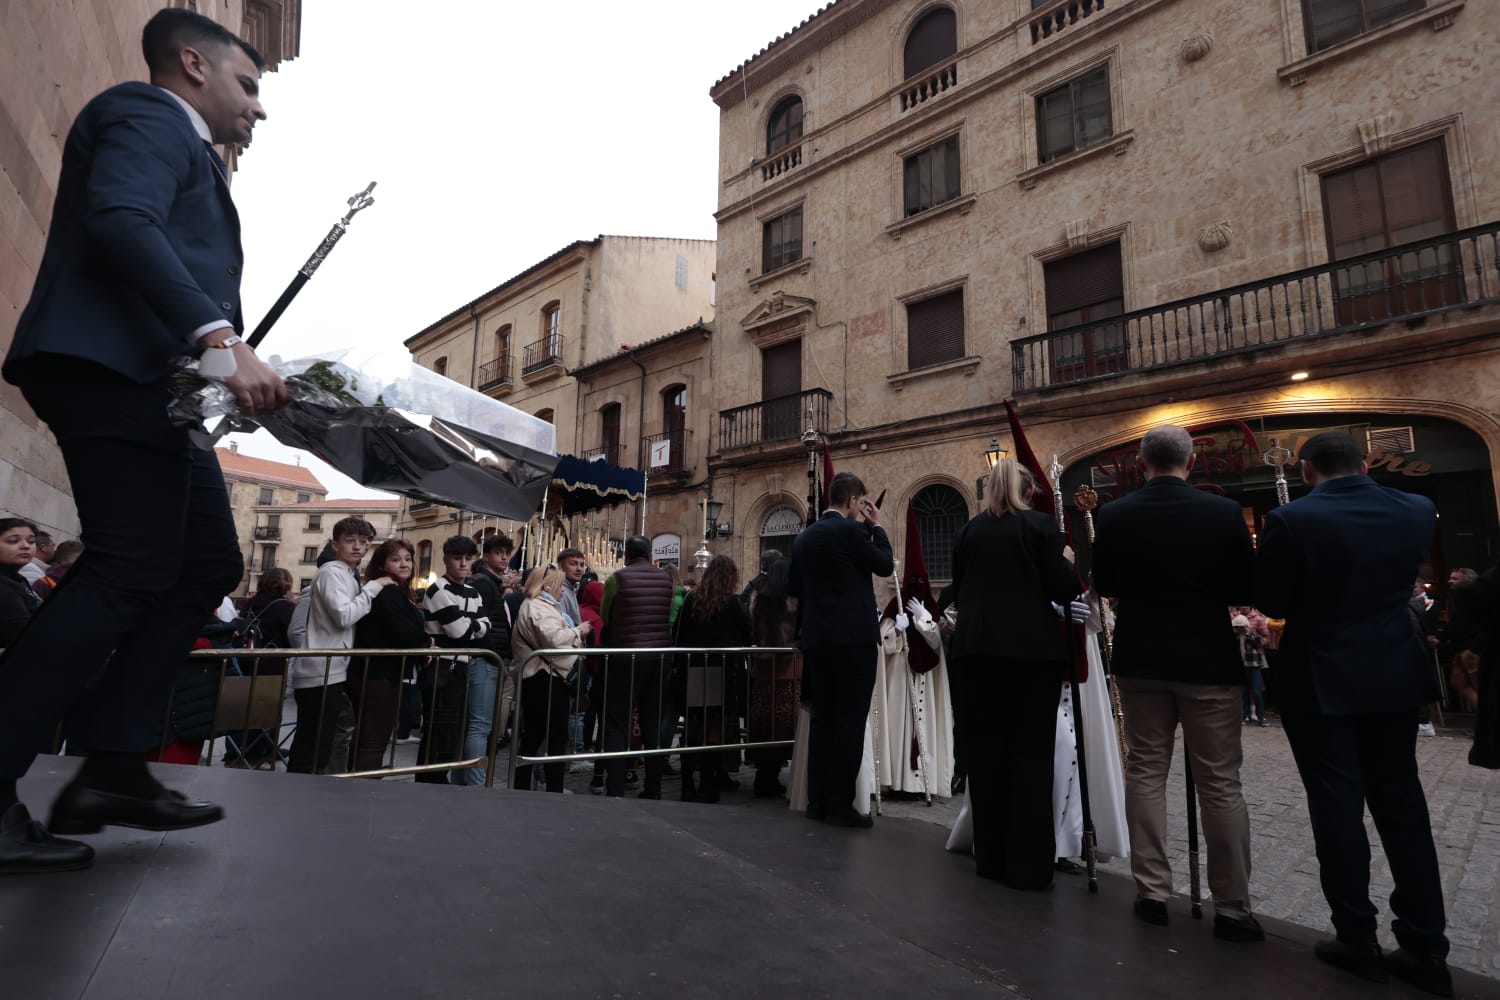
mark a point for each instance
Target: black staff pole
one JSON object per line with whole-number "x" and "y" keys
{"x": 357, "y": 203}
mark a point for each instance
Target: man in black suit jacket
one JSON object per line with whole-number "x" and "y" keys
{"x": 833, "y": 564}
{"x": 1338, "y": 565}
{"x": 1177, "y": 558}
{"x": 141, "y": 267}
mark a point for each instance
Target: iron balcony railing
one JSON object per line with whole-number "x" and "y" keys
{"x": 542, "y": 354}
{"x": 783, "y": 418}
{"x": 677, "y": 451}
{"x": 496, "y": 373}
{"x": 267, "y": 533}
{"x": 1406, "y": 283}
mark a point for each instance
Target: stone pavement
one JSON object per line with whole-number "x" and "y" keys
{"x": 1465, "y": 806}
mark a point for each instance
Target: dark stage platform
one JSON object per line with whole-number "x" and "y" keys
{"x": 321, "y": 888}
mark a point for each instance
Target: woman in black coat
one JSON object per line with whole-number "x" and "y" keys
{"x": 1009, "y": 569}
{"x": 18, "y": 602}
{"x": 393, "y": 622}
{"x": 712, "y": 615}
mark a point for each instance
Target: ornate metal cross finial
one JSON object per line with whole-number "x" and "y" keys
{"x": 1086, "y": 500}
{"x": 358, "y": 203}
{"x": 1278, "y": 458}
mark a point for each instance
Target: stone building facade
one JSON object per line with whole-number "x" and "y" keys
{"x": 1117, "y": 214}
{"x": 293, "y": 537}
{"x": 257, "y": 486}
{"x": 57, "y": 57}
{"x": 565, "y": 340}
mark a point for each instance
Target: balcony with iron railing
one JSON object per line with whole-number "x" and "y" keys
{"x": 545, "y": 353}
{"x": 268, "y": 533}
{"x": 783, "y": 418}
{"x": 676, "y": 440}
{"x": 1406, "y": 284}
{"x": 496, "y": 374}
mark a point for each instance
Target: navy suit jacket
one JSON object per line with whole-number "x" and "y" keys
{"x": 1176, "y": 557}
{"x": 144, "y": 246}
{"x": 1338, "y": 565}
{"x": 833, "y": 560}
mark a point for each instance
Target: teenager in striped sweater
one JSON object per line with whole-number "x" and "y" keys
{"x": 458, "y": 696}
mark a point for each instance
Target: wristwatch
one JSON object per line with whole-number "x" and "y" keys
{"x": 228, "y": 342}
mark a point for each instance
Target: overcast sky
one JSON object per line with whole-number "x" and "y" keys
{"x": 498, "y": 132}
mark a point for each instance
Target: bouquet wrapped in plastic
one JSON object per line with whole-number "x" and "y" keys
{"x": 390, "y": 424}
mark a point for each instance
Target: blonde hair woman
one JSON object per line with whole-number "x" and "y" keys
{"x": 1009, "y": 568}
{"x": 542, "y": 623}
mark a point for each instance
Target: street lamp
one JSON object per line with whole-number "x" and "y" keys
{"x": 993, "y": 456}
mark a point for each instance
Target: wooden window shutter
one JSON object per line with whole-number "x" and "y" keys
{"x": 1415, "y": 196}
{"x": 1084, "y": 279}
{"x": 935, "y": 330}
{"x": 781, "y": 370}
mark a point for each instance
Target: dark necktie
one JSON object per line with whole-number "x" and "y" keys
{"x": 218, "y": 161}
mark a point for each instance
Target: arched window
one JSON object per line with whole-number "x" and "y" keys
{"x": 609, "y": 433}
{"x": 424, "y": 559}
{"x": 552, "y": 329}
{"x": 440, "y": 366}
{"x": 785, "y": 124}
{"x": 941, "y": 512}
{"x": 502, "y": 352}
{"x": 932, "y": 39}
{"x": 546, "y": 415}
{"x": 674, "y": 425}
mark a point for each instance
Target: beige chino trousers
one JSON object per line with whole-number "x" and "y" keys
{"x": 1210, "y": 719}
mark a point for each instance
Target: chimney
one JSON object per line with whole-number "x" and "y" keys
{"x": 234, "y": 447}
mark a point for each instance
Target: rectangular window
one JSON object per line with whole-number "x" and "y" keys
{"x": 1073, "y": 116}
{"x": 304, "y": 498}
{"x": 1084, "y": 292}
{"x": 1402, "y": 197}
{"x": 781, "y": 388}
{"x": 681, "y": 272}
{"x": 935, "y": 330}
{"x": 781, "y": 242}
{"x": 1330, "y": 22}
{"x": 930, "y": 177}
{"x": 265, "y": 495}
{"x": 273, "y": 521}
{"x": 304, "y": 583}
{"x": 309, "y": 554}
{"x": 610, "y": 433}
{"x": 268, "y": 557}
{"x": 315, "y": 522}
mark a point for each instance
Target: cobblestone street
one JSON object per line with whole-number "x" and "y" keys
{"x": 1465, "y": 806}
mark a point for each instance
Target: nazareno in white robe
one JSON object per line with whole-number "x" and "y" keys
{"x": 1106, "y": 770}
{"x": 917, "y": 728}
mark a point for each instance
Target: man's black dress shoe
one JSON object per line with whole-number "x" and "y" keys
{"x": 851, "y": 819}
{"x": 815, "y": 811}
{"x": 1430, "y": 975}
{"x": 1245, "y": 928}
{"x": 1151, "y": 911}
{"x": 26, "y": 847}
{"x": 80, "y": 809}
{"x": 1361, "y": 959}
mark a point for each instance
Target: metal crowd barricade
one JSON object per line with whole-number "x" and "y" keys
{"x": 688, "y": 682}
{"x": 248, "y": 704}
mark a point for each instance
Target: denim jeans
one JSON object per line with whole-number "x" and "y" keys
{"x": 1254, "y": 696}
{"x": 484, "y": 680}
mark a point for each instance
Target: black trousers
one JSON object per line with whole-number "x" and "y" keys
{"x": 544, "y": 719}
{"x": 632, "y": 681}
{"x": 843, "y": 678}
{"x": 444, "y": 687}
{"x": 1348, "y": 763}
{"x": 319, "y": 713}
{"x": 1010, "y": 727}
{"x": 161, "y": 553}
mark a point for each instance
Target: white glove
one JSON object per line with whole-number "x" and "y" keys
{"x": 1080, "y": 609}
{"x": 918, "y": 611}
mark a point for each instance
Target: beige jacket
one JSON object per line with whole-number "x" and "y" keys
{"x": 540, "y": 625}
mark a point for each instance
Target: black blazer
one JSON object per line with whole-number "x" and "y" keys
{"x": 1177, "y": 558}
{"x": 1007, "y": 573}
{"x": 1338, "y": 565}
{"x": 144, "y": 246}
{"x": 833, "y": 560}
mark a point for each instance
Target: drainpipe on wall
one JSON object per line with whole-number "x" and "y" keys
{"x": 640, "y": 427}
{"x": 474, "y": 363}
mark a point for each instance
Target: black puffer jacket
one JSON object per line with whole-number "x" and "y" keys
{"x": 18, "y": 602}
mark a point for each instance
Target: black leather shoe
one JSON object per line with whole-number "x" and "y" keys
{"x": 1361, "y": 959}
{"x": 1151, "y": 911}
{"x": 1430, "y": 975}
{"x": 851, "y": 819}
{"x": 816, "y": 811}
{"x": 26, "y": 847}
{"x": 80, "y": 809}
{"x": 1245, "y": 928}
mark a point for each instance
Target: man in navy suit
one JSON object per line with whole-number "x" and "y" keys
{"x": 833, "y": 563}
{"x": 142, "y": 267}
{"x": 1338, "y": 565}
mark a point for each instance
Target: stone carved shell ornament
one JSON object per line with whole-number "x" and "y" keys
{"x": 1195, "y": 47}
{"x": 1212, "y": 239}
